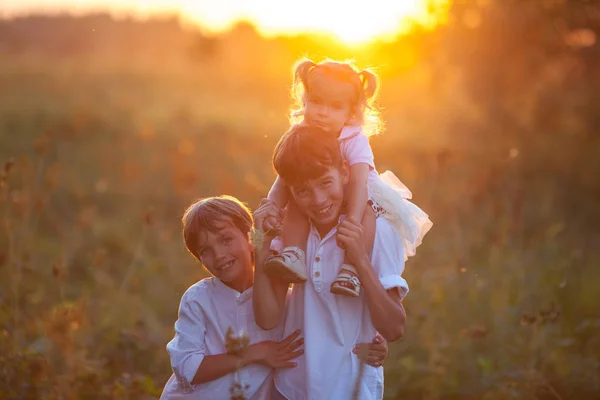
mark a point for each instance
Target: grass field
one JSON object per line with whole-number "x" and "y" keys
{"x": 102, "y": 154}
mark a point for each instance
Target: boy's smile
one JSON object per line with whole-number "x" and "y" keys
{"x": 226, "y": 254}
{"x": 322, "y": 199}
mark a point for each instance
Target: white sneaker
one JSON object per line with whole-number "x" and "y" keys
{"x": 288, "y": 265}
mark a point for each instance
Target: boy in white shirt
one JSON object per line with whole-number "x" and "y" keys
{"x": 216, "y": 232}
{"x": 310, "y": 163}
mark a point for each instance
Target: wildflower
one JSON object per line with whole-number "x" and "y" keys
{"x": 237, "y": 345}
{"x": 527, "y": 319}
{"x": 257, "y": 237}
{"x": 237, "y": 391}
{"x": 5, "y": 171}
{"x": 476, "y": 332}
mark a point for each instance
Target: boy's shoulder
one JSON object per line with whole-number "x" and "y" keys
{"x": 199, "y": 289}
{"x": 383, "y": 226}
{"x": 387, "y": 235}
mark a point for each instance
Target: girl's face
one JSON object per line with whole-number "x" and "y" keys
{"x": 227, "y": 254}
{"x": 328, "y": 103}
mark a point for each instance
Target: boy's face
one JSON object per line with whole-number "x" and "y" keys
{"x": 322, "y": 199}
{"x": 328, "y": 105}
{"x": 227, "y": 254}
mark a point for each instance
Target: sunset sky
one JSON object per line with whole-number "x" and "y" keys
{"x": 354, "y": 22}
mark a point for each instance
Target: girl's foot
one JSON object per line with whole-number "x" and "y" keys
{"x": 347, "y": 282}
{"x": 288, "y": 265}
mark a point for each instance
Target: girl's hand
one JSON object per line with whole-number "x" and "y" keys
{"x": 268, "y": 216}
{"x": 372, "y": 353}
{"x": 277, "y": 354}
{"x": 350, "y": 237}
{"x": 271, "y": 224}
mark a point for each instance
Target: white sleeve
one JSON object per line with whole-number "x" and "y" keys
{"x": 388, "y": 257}
{"x": 187, "y": 349}
{"x": 357, "y": 149}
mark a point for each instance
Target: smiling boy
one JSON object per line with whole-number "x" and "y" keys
{"x": 310, "y": 163}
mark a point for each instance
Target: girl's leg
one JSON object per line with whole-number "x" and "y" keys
{"x": 347, "y": 282}
{"x": 295, "y": 227}
{"x": 369, "y": 221}
{"x": 290, "y": 264}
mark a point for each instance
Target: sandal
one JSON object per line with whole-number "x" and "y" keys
{"x": 288, "y": 265}
{"x": 347, "y": 282}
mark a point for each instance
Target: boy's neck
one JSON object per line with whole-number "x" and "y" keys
{"x": 324, "y": 230}
{"x": 242, "y": 284}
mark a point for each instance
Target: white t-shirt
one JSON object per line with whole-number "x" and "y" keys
{"x": 355, "y": 148}
{"x": 333, "y": 324}
{"x": 207, "y": 309}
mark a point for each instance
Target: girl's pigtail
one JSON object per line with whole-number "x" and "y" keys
{"x": 372, "y": 123}
{"x": 301, "y": 71}
{"x": 370, "y": 85}
{"x": 299, "y": 85}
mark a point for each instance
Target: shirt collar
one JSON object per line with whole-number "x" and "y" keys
{"x": 315, "y": 232}
{"x": 349, "y": 131}
{"x": 229, "y": 292}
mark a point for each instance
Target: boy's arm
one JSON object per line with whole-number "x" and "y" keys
{"x": 358, "y": 194}
{"x": 187, "y": 350}
{"x": 269, "y": 293}
{"x": 218, "y": 365}
{"x": 385, "y": 306}
{"x": 269, "y": 353}
{"x": 192, "y": 366}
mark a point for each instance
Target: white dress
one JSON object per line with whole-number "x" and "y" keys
{"x": 387, "y": 191}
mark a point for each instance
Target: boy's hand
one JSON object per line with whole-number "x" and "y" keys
{"x": 350, "y": 237}
{"x": 268, "y": 216}
{"x": 372, "y": 353}
{"x": 277, "y": 354}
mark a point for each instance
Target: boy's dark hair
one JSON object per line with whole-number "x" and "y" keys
{"x": 304, "y": 153}
{"x": 202, "y": 215}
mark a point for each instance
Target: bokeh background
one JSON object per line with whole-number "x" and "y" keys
{"x": 110, "y": 126}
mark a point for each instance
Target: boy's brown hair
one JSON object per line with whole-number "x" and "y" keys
{"x": 304, "y": 153}
{"x": 202, "y": 215}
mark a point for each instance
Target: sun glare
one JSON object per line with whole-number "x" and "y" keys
{"x": 382, "y": 20}
{"x": 351, "y": 23}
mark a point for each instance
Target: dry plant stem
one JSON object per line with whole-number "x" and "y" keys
{"x": 539, "y": 377}
{"x": 12, "y": 260}
{"x": 552, "y": 390}
{"x": 136, "y": 255}
{"x": 237, "y": 345}
{"x": 24, "y": 232}
{"x": 128, "y": 273}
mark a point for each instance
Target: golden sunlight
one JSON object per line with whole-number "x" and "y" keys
{"x": 351, "y": 23}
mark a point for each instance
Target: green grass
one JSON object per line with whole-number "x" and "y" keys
{"x": 503, "y": 301}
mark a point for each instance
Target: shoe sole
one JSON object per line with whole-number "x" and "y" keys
{"x": 344, "y": 291}
{"x": 282, "y": 272}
